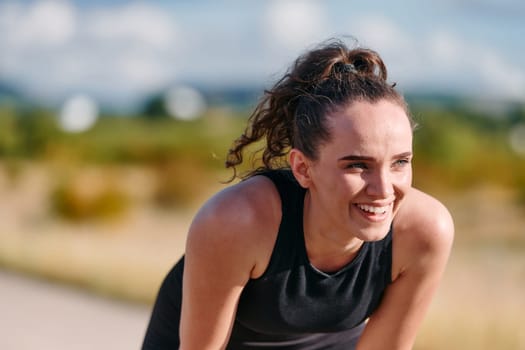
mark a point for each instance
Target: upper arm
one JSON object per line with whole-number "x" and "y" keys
{"x": 225, "y": 245}
{"x": 423, "y": 235}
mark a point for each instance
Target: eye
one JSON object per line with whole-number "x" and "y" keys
{"x": 356, "y": 166}
{"x": 401, "y": 162}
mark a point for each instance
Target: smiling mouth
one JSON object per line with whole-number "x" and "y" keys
{"x": 374, "y": 209}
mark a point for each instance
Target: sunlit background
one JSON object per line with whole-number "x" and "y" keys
{"x": 115, "y": 117}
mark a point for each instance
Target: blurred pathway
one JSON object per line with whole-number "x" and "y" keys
{"x": 35, "y": 314}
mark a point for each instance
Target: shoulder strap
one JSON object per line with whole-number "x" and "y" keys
{"x": 287, "y": 186}
{"x": 292, "y": 195}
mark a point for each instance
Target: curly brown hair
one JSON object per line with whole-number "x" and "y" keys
{"x": 293, "y": 112}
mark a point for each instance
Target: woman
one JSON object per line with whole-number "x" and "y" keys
{"x": 327, "y": 245}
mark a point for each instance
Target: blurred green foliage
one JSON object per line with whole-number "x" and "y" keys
{"x": 72, "y": 203}
{"x": 35, "y": 134}
{"x": 26, "y": 133}
{"x": 456, "y": 147}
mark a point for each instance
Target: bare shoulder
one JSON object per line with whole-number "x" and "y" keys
{"x": 239, "y": 222}
{"x": 230, "y": 241}
{"x": 422, "y": 227}
{"x": 249, "y": 203}
{"x": 425, "y": 217}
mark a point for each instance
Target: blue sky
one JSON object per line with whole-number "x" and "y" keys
{"x": 119, "y": 51}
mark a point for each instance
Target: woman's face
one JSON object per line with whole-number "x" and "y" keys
{"x": 364, "y": 171}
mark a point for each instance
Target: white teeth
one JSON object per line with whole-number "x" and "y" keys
{"x": 371, "y": 209}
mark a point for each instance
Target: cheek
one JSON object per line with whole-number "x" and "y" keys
{"x": 338, "y": 187}
{"x": 404, "y": 180}
{"x": 408, "y": 177}
{"x": 351, "y": 185}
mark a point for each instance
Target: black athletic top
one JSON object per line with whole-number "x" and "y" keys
{"x": 292, "y": 305}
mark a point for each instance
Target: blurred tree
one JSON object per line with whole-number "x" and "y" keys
{"x": 9, "y": 137}
{"x": 516, "y": 114}
{"x": 154, "y": 108}
{"x": 37, "y": 128}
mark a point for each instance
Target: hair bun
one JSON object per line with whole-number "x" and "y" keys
{"x": 368, "y": 63}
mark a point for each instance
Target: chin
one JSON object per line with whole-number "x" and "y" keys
{"x": 375, "y": 233}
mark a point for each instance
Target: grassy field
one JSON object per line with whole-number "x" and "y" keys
{"x": 480, "y": 302}
{"x": 479, "y": 305}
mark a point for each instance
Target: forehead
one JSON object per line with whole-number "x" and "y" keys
{"x": 367, "y": 127}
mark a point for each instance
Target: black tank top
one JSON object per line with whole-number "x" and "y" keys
{"x": 292, "y": 305}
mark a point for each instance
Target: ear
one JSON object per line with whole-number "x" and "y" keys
{"x": 300, "y": 165}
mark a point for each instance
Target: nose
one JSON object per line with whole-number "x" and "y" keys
{"x": 380, "y": 184}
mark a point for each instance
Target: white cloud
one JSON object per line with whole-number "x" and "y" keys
{"x": 143, "y": 71}
{"x": 294, "y": 24}
{"x": 135, "y": 43}
{"x": 43, "y": 23}
{"x": 501, "y": 77}
{"x": 446, "y": 49}
{"x": 135, "y": 22}
{"x": 55, "y": 49}
{"x": 474, "y": 66}
{"x": 381, "y": 33}
{"x": 126, "y": 49}
{"x": 398, "y": 48}
{"x": 440, "y": 60}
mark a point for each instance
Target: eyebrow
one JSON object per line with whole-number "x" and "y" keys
{"x": 366, "y": 158}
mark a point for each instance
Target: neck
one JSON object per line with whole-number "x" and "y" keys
{"x": 328, "y": 248}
